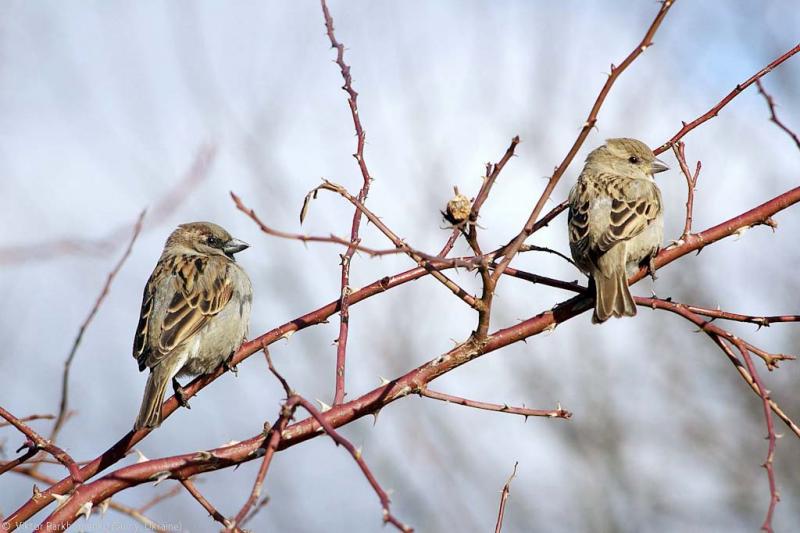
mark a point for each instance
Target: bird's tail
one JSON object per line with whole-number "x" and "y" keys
{"x": 612, "y": 295}
{"x": 150, "y": 411}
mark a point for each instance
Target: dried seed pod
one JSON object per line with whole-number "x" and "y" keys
{"x": 458, "y": 209}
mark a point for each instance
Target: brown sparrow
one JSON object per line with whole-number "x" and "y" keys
{"x": 615, "y": 221}
{"x": 195, "y": 312}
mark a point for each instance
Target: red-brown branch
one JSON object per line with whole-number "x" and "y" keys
{"x": 420, "y": 258}
{"x": 714, "y": 111}
{"x": 207, "y": 505}
{"x": 503, "y": 498}
{"x": 333, "y": 239}
{"x": 361, "y": 136}
{"x": 691, "y": 183}
{"x": 522, "y": 411}
{"x": 492, "y": 172}
{"x": 36, "y": 442}
{"x": 773, "y": 116}
{"x": 388, "y": 517}
{"x": 750, "y": 374}
{"x": 378, "y": 398}
{"x": 273, "y": 438}
{"x": 29, "y": 418}
{"x": 514, "y": 246}
{"x": 134, "y": 513}
{"x": 736, "y": 317}
{"x": 720, "y": 336}
{"x": 768, "y": 464}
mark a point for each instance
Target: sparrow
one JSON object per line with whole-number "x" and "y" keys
{"x": 616, "y": 221}
{"x": 195, "y": 312}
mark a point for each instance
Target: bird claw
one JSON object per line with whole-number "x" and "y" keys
{"x": 651, "y": 268}
{"x": 226, "y": 364}
{"x": 180, "y": 394}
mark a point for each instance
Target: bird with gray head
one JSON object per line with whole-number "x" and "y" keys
{"x": 616, "y": 221}
{"x": 195, "y": 312}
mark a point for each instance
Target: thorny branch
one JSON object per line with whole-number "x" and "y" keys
{"x": 135, "y": 513}
{"x": 273, "y": 438}
{"x": 207, "y": 505}
{"x": 691, "y": 184}
{"x": 714, "y": 111}
{"x": 768, "y": 464}
{"x": 367, "y": 403}
{"x": 361, "y": 136}
{"x": 397, "y": 241}
{"x": 306, "y": 238}
{"x": 504, "y": 408}
{"x": 504, "y": 498}
{"x": 29, "y": 418}
{"x": 36, "y": 442}
{"x": 514, "y": 246}
{"x": 773, "y": 116}
{"x": 378, "y": 398}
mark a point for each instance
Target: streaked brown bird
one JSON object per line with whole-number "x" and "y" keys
{"x": 616, "y": 221}
{"x": 195, "y": 312}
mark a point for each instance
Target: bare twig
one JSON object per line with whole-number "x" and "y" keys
{"x": 272, "y": 439}
{"x": 388, "y": 517}
{"x": 773, "y": 116}
{"x": 691, "y": 184}
{"x": 714, "y": 111}
{"x": 361, "y": 136}
{"x": 420, "y": 258}
{"x": 516, "y": 243}
{"x": 720, "y": 336}
{"x": 36, "y": 442}
{"x": 534, "y": 248}
{"x": 29, "y": 418}
{"x": 492, "y": 172}
{"x": 63, "y": 409}
{"x": 768, "y": 464}
{"x": 307, "y": 238}
{"x": 736, "y": 317}
{"x": 263, "y": 503}
{"x": 503, "y": 498}
{"x": 522, "y": 411}
{"x": 203, "y": 501}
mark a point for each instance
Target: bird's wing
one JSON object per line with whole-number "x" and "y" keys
{"x": 197, "y": 287}
{"x": 631, "y": 203}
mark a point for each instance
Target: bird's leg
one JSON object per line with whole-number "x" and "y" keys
{"x": 180, "y": 394}
{"x": 651, "y": 267}
{"x": 226, "y": 364}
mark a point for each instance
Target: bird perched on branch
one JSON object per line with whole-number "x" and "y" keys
{"x": 195, "y": 312}
{"x": 616, "y": 221}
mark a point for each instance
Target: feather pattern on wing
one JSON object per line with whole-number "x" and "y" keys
{"x": 631, "y": 204}
{"x": 199, "y": 293}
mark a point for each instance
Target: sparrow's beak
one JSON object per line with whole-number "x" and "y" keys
{"x": 658, "y": 166}
{"x": 234, "y": 245}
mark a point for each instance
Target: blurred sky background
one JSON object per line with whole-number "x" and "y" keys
{"x": 105, "y": 105}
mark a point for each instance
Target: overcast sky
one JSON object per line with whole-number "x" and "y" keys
{"x": 104, "y": 106}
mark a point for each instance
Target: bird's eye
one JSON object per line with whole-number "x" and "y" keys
{"x": 215, "y": 242}
{"x": 633, "y": 159}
